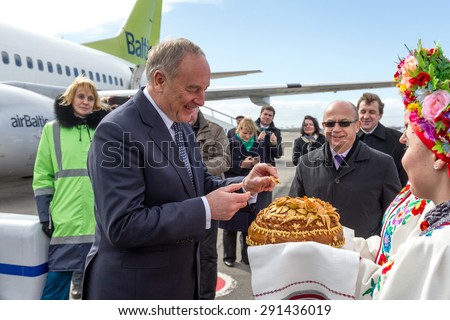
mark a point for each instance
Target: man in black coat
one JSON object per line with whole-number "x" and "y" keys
{"x": 375, "y": 135}
{"x": 270, "y": 136}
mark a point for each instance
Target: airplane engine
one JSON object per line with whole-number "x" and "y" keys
{"x": 23, "y": 114}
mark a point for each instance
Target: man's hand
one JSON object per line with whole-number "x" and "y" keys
{"x": 225, "y": 202}
{"x": 262, "y": 136}
{"x": 273, "y": 139}
{"x": 259, "y": 180}
{"x": 247, "y": 163}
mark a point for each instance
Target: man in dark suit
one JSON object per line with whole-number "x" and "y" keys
{"x": 375, "y": 135}
{"x": 153, "y": 195}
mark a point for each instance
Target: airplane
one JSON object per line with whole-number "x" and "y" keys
{"x": 34, "y": 69}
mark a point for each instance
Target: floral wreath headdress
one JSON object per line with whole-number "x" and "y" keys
{"x": 423, "y": 78}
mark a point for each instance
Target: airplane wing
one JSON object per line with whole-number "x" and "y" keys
{"x": 220, "y": 75}
{"x": 260, "y": 94}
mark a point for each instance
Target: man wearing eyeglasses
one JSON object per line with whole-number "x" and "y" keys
{"x": 358, "y": 180}
{"x": 375, "y": 135}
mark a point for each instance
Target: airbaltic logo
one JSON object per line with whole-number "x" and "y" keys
{"x": 137, "y": 47}
{"x": 37, "y": 121}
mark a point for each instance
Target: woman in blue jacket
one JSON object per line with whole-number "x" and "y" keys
{"x": 246, "y": 152}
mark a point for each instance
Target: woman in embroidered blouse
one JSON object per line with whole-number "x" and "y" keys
{"x": 420, "y": 267}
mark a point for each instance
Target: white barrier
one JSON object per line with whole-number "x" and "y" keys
{"x": 23, "y": 257}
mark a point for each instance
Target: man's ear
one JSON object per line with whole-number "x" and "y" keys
{"x": 159, "y": 80}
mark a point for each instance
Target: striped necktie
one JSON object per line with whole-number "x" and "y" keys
{"x": 339, "y": 159}
{"x": 179, "y": 139}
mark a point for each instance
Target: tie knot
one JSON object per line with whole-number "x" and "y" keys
{"x": 176, "y": 126}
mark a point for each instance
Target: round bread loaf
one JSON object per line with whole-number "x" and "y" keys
{"x": 289, "y": 219}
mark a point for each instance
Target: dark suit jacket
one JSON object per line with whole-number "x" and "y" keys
{"x": 361, "y": 190}
{"x": 387, "y": 140}
{"x": 149, "y": 216}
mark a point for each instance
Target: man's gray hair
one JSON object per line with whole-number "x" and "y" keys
{"x": 167, "y": 56}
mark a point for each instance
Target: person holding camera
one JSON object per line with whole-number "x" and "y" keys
{"x": 270, "y": 136}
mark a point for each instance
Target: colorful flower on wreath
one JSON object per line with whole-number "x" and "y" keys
{"x": 423, "y": 78}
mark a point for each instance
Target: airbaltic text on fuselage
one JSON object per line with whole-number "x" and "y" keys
{"x": 28, "y": 121}
{"x": 137, "y": 47}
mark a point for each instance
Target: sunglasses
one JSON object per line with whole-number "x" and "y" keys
{"x": 342, "y": 124}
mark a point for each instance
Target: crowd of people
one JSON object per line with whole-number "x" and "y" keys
{"x": 132, "y": 194}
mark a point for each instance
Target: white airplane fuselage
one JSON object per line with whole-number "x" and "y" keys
{"x": 21, "y": 129}
{"x": 34, "y": 69}
{"x": 67, "y": 60}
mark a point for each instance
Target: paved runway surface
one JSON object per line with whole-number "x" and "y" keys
{"x": 234, "y": 283}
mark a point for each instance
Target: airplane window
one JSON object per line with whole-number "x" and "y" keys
{"x": 75, "y": 72}
{"x": 104, "y": 78}
{"x": 110, "y": 79}
{"x": 29, "y": 63}
{"x": 50, "y": 67}
{"x": 59, "y": 68}
{"x": 115, "y": 81}
{"x": 40, "y": 65}
{"x": 83, "y": 72}
{"x": 18, "y": 60}
{"x": 97, "y": 76}
{"x": 68, "y": 71}
{"x": 5, "y": 57}
{"x": 121, "y": 82}
{"x": 91, "y": 76}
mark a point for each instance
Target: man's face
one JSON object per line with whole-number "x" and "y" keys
{"x": 194, "y": 117}
{"x": 266, "y": 117}
{"x": 341, "y": 138}
{"x": 369, "y": 115}
{"x": 180, "y": 96}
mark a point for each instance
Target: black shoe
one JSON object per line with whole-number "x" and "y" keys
{"x": 245, "y": 261}
{"x": 229, "y": 263}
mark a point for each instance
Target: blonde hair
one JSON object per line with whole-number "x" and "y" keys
{"x": 88, "y": 85}
{"x": 247, "y": 124}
